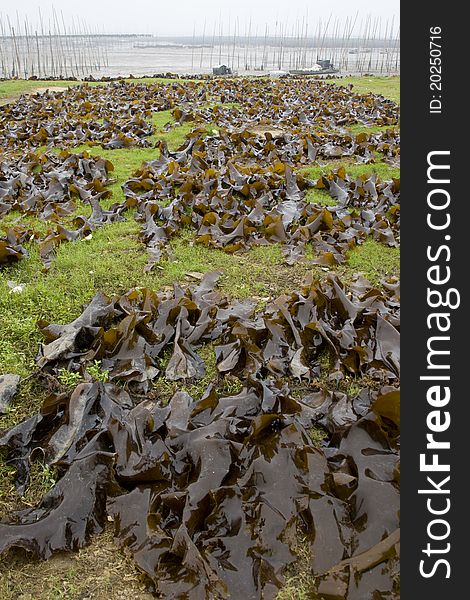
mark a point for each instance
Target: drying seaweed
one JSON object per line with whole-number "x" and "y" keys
{"x": 208, "y": 487}
{"x": 52, "y": 188}
{"x": 232, "y": 202}
{"x": 236, "y": 186}
{"x": 193, "y": 487}
{"x": 119, "y": 115}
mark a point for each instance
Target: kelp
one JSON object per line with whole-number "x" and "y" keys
{"x": 210, "y": 185}
{"x": 11, "y": 244}
{"x": 213, "y": 186}
{"x": 211, "y": 490}
{"x": 47, "y": 185}
{"x": 104, "y": 115}
{"x": 210, "y": 493}
{"x": 358, "y": 325}
{"x": 233, "y": 181}
{"x": 119, "y": 115}
{"x": 52, "y": 188}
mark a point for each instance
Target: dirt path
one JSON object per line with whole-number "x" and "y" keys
{"x": 50, "y": 88}
{"x": 40, "y": 90}
{"x": 98, "y": 572}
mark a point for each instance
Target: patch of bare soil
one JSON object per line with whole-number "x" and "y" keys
{"x": 50, "y": 88}
{"x": 98, "y": 572}
{"x": 262, "y": 130}
{"x": 40, "y": 90}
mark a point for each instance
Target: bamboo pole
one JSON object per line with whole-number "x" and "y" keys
{"x": 202, "y": 45}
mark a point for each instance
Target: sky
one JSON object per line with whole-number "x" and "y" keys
{"x": 182, "y": 16}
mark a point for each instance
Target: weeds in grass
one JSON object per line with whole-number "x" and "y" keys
{"x": 381, "y": 169}
{"x": 299, "y": 577}
{"x": 374, "y": 260}
{"x": 82, "y": 268}
{"x": 97, "y": 373}
{"x": 69, "y": 379}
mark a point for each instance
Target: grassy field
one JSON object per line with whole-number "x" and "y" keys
{"x": 11, "y": 90}
{"x": 84, "y": 267}
{"x": 389, "y": 87}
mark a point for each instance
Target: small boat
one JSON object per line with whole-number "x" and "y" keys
{"x": 312, "y": 71}
{"x": 222, "y": 70}
{"x": 322, "y": 67}
{"x": 159, "y": 45}
{"x": 276, "y": 74}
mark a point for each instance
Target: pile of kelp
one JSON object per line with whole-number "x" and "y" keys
{"x": 52, "y": 188}
{"x": 107, "y": 116}
{"x": 234, "y": 180}
{"x": 233, "y": 190}
{"x": 214, "y": 186}
{"x": 119, "y": 115}
{"x": 213, "y": 494}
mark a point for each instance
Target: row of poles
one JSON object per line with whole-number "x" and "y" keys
{"x": 366, "y": 45}
{"x": 53, "y": 49}
{"x": 50, "y": 49}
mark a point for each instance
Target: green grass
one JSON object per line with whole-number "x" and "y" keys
{"x": 299, "y": 578}
{"x": 374, "y": 260}
{"x": 382, "y": 169}
{"x": 319, "y": 197}
{"x": 13, "y": 88}
{"x": 79, "y": 270}
{"x": 82, "y": 268}
{"x": 176, "y": 135}
{"x": 360, "y": 128}
{"x": 125, "y": 160}
{"x": 317, "y": 435}
{"x": 113, "y": 262}
{"x": 389, "y": 87}
{"x": 29, "y": 221}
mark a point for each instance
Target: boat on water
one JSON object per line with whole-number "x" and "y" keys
{"x": 222, "y": 70}
{"x": 162, "y": 45}
{"x": 312, "y": 71}
{"x": 321, "y": 67}
{"x": 276, "y": 74}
